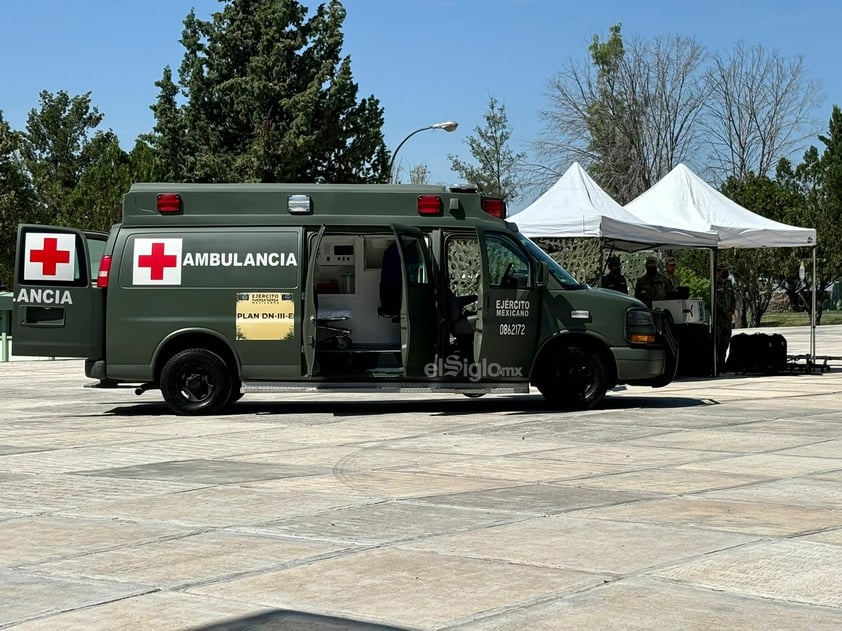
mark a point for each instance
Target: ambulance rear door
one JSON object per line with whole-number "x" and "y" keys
{"x": 58, "y": 310}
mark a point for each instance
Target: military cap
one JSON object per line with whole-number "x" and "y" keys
{"x": 723, "y": 266}
{"x": 669, "y": 259}
{"x": 613, "y": 260}
{"x": 651, "y": 260}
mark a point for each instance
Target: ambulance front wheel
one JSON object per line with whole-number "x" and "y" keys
{"x": 196, "y": 381}
{"x": 575, "y": 379}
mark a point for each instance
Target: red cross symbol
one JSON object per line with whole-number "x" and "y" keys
{"x": 157, "y": 261}
{"x": 49, "y": 257}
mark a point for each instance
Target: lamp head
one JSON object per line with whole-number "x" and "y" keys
{"x": 445, "y": 125}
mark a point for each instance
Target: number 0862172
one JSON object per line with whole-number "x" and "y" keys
{"x": 512, "y": 329}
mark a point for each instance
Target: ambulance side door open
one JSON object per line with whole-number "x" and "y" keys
{"x": 508, "y": 320}
{"x": 419, "y": 321}
{"x": 58, "y": 309}
{"x": 310, "y": 314}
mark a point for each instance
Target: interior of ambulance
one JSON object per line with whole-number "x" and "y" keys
{"x": 358, "y": 287}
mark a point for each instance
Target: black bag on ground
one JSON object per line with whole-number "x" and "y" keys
{"x": 757, "y": 353}
{"x": 695, "y": 350}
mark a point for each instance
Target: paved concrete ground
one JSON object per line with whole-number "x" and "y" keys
{"x": 709, "y": 504}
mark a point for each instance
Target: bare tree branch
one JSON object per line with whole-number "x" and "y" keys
{"x": 759, "y": 110}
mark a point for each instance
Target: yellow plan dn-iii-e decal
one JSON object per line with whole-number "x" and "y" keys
{"x": 265, "y": 316}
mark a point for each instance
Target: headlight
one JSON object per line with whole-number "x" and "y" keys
{"x": 640, "y": 328}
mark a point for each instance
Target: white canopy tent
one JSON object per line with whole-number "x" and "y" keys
{"x": 683, "y": 200}
{"x": 575, "y": 206}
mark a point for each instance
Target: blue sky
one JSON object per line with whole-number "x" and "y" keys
{"x": 426, "y": 60}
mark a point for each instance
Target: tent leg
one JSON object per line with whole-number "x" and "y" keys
{"x": 813, "y": 314}
{"x": 600, "y": 269}
{"x": 713, "y": 260}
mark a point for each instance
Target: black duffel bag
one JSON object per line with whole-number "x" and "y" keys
{"x": 757, "y": 353}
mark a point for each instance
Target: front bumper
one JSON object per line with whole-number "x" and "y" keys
{"x": 654, "y": 366}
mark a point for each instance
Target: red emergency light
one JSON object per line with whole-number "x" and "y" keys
{"x": 104, "y": 271}
{"x": 494, "y": 206}
{"x": 429, "y": 205}
{"x": 169, "y": 203}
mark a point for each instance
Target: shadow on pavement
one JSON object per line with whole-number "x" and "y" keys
{"x": 524, "y": 404}
{"x": 284, "y": 620}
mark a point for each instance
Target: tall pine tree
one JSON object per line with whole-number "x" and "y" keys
{"x": 267, "y": 97}
{"x": 17, "y": 199}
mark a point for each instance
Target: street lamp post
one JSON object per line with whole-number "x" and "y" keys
{"x": 446, "y": 126}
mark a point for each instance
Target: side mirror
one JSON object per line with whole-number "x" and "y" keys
{"x": 541, "y": 274}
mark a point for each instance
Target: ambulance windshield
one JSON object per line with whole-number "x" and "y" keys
{"x": 556, "y": 270}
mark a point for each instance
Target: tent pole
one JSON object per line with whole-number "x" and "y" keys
{"x": 713, "y": 256}
{"x": 599, "y": 270}
{"x": 813, "y": 313}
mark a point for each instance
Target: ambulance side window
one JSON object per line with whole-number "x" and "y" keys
{"x": 52, "y": 257}
{"x": 95, "y": 250}
{"x": 508, "y": 267}
{"x": 463, "y": 265}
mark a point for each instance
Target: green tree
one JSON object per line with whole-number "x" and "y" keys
{"x": 758, "y": 271}
{"x": 169, "y": 138}
{"x": 59, "y": 143}
{"x": 17, "y": 200}
{"x": 497, "y": 166}
{"x": 144, "y": 165}
{"x": 267, "y": 97}
{"x": 819, "y": 179}
{"x": 96, "y": 201}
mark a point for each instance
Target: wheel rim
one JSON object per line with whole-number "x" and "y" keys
{"x": 195, "y": 383}
{"x": 577, "y": 376}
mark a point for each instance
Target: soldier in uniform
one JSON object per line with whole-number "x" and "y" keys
{"x": 670, "y": 277}
{"x": 652, "y": 285}
{"x": 614, "y": 279}
{"x": 726, "y": 302}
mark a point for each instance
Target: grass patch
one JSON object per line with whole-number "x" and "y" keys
{"x": 798, "y": 319}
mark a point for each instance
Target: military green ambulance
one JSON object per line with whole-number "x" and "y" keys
{"x": 210, "y": 291}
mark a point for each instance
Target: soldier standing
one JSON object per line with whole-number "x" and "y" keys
{"x": 670, "y": 277}
{"x": 614, "y": 279}
{"x": 726, "y": 302}
{"x": 652, "y": 285}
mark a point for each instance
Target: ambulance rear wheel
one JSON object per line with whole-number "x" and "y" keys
{"x": 196, "y": 381}
{"x": 575, "y": 379}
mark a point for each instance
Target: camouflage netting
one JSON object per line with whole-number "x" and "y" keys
{"x": 579, "y": 256}
{"x": 463, "y": 266}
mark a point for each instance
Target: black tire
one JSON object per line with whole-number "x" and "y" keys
{"x": 474, "y": 395}
{"x": 236, "y": 394}
{"x": 574, "y": 380}
{"x": 196, "y": 381}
